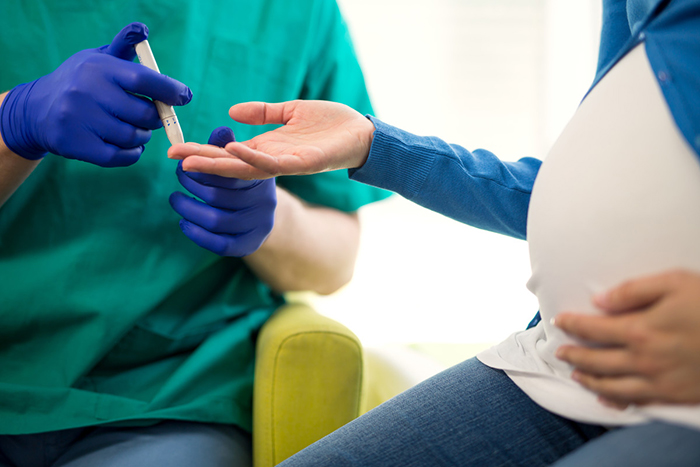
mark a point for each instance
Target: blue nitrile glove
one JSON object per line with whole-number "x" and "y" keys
{"x": 236, "y": 216}
{"x": 85, "y": 108}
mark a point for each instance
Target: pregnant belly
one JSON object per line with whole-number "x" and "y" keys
{"x": 618, "y": 197}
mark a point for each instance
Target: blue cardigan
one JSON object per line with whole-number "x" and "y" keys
{"x": 477, "y": 188}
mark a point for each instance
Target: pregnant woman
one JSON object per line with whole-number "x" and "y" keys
{"x": 610, "y": 375}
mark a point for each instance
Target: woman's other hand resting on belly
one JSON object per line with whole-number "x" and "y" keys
{"x": 650, "y": 335}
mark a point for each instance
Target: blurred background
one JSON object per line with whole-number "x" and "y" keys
{"x": 504, "y": 75}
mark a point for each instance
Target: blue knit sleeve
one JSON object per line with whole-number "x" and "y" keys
{"x": 614, "y": 33}
{"x": 475, "y": 188}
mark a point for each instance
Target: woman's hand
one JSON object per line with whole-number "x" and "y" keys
{"x": 317, "y": 136}
{"x": 649, "y": 342}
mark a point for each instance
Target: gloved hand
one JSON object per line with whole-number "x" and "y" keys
{"x": 86, "y": 108}
{"x": 236, "y": 216}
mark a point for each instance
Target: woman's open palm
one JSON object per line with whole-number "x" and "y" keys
{"x": 316, "y": 136}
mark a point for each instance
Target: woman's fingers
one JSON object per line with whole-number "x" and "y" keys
{"x": 619, "y": 390}
{"x": 224, "y": 167}
{"x": 599, "y": 361}
{"x": 206, "y": 158}
{"x": 183, "y": 150}
{"x": 637, "y": 293}
{"x": 240, "y": 161}
{"x": 262, "y": 113}
{"x": 599, "y": 329}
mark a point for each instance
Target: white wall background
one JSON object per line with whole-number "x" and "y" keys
{"x": 505, "y": 75}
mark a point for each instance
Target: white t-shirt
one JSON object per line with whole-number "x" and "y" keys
{"x": 617, "y": 198}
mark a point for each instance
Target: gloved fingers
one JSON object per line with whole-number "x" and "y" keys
{"x": 103, "y": 154}
{"x": 138, "y": 79}
{"x": 210, "y": 195}
{"x": 215, "y": 220}
{"x": 122, "y": 45}
{"x": 230, "y": 199}
{"x": 216, "y": 180}
{"x": 221, "y": 136}
{"x": 137, "y": 111}
{"x": 123, "y": 157}
{"x": 222, "y": 245}
{"x": 118, "y": 133}
{"x": 221, "y": 221}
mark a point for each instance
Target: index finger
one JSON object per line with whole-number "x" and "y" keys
{"x": 205, "y": 158}
{"x": 232, "y": 168}
{"x": 138, "y": 79}
{"x": 636, "y": 293}
{"x": 262, "y": 113}
{"x": 607, "y": 330}
{"x": 183, "y": 150}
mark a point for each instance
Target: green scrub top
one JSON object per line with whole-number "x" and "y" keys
{"x": 108, "y": 313}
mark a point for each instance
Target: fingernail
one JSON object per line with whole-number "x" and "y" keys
{"x": 576, "y": 376}
{"x": 553, "y": 321}
{"x": 611, "y": 404}
{"x": 602, "y": 299}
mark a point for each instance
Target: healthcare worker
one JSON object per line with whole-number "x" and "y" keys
{"x": 126, "y": 338}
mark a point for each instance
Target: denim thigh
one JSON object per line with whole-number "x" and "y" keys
{"x": 171, "y": 443}
{"x": 468, "y": 415}
{"x": 655, "y": 444}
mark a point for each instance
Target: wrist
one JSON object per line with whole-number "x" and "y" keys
{"x": 14, "y": 128}
{"x": 287, "y": 210}
{"x": 13, "y": 168}
{"x": 366, "y": 136}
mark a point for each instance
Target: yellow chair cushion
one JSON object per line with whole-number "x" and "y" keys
{"x": 308, "y": 382}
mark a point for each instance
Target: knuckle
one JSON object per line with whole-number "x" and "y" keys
{"x": 646, "y": 366}
{"x": 63, "y": 112}
{"x": 638, "y": 334}
{"x": 581, "y": 358}
{"x": 220, "y": 249}
{"x": 108, "y": 156}
{"x": 205, "y": 193}
{"x": 684, "y": 391}
{"x": 211, "y": 220}
{"x": 623, "y": 293}
{"x": 217, "y": 244}
{"x": 589, "y": 381}
{"x": 146, "y": 137}
{"x": 226, "y": 247}
{"x": 74, "y": 91}
{"x": 133, "y": 79}
{"x": 217, "y": 198}
{"x": 136, "y": 137}
{"x": 88, "y": 68}
{"x": 85, "y": 66}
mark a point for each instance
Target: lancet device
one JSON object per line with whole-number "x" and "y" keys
{"x": 166, "y": 112}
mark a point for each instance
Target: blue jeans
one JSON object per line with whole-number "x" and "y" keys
{"x": 473, "y": 415}
{"x": 171, "y": 443}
